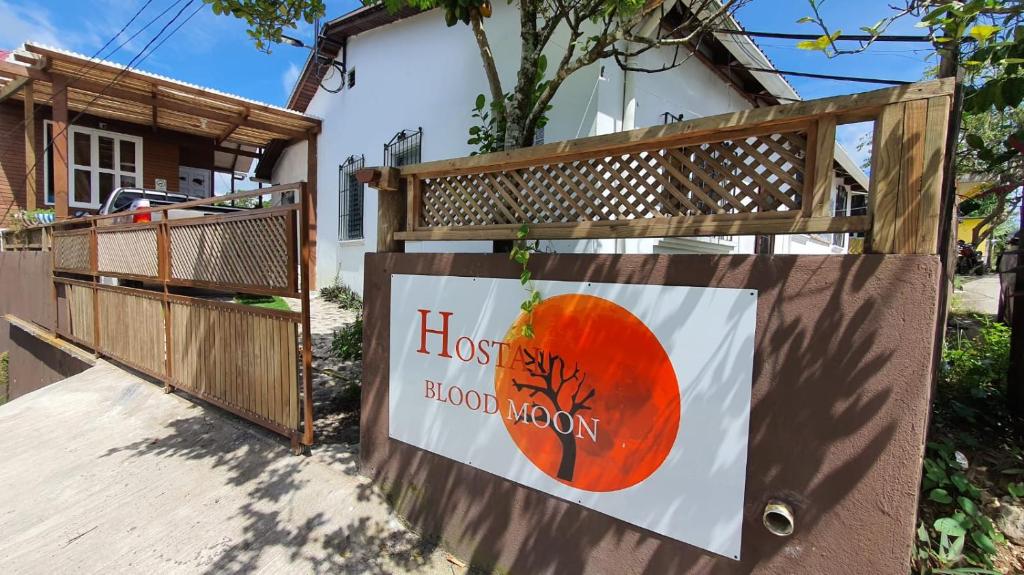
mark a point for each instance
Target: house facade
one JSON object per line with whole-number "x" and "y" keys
{"x": 404, "y": 88}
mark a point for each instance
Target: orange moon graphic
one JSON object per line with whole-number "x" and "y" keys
{"x": 592, "y": 399}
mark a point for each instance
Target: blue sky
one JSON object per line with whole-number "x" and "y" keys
{"x": 214, "y": 51}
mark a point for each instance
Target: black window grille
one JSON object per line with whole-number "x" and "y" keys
{"x": 404, "y": 148}
{"x": 350, "y": 199}
{"x": 669, "y": 117}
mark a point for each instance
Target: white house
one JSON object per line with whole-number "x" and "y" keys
{"x": 408, "y": 90}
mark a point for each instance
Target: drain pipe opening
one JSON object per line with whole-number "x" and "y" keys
{"x": 778, "y": 518}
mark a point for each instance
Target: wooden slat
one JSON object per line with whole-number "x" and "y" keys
{"x": 886, "y": 160}
{"x": 934, "y": 170}
{"x": 908, "y": 199}
{"x": 817, "y": 200}
{"x": 856, "y": 107}
{"x": 723, "y": 224}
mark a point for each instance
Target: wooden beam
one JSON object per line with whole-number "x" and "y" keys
{"x": 856, "y": 107}
{"x": 59, "y": 146}
{"x": 11, "y": 88}
{"x": 238, "y": 152}
{"x": 232, "y": 127}
{"x": 31, "y": 182}
{"x": 391, "y": 214}
{"x": 19, "y": 71}
{"x": 311, "y": 212}
{"x": 163, "y": 102}
{"x": 170, "y": 85}
{"x": 714, "y": 225}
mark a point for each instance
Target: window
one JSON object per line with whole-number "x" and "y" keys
{"x": 404, "y": 148}
{"x": 99, "y": 162}
{"x": 841, "y": 208}
{"x": 538, "y": 136}
{"x": 350, "y": 199}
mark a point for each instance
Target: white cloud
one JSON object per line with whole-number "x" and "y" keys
{"x": 21, "y": 23}
{"x": 288, "y": 79}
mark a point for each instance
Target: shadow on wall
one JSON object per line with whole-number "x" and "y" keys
{"x": 842, "y": 374}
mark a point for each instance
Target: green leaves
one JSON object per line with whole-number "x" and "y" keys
{"x": 949, "y": 526}
{"x": 821, "y": 44}
{"x": 1015, "y": 489}
{"x": 982, "y": 32}
{"x": 521, "y": 251}
{"x": 267, "y": 19}
{"x": 940, "y": 495}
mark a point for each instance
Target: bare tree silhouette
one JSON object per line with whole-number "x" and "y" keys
{"x": 550, "y": 369}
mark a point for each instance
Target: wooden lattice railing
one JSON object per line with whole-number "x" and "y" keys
{"x": 759, "y": 171}
{"x": 239, "y": 357}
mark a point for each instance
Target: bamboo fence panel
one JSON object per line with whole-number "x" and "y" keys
{"x": 72, "y": 251}
{"x": 131, "y": 328}
{"x": 81, "y": 312}
{"x": 132, "y": 252}
{"x": 249, "y": 252}
{"x": 240, "y": 359}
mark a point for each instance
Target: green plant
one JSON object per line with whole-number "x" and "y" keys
{"x": 343, "y": 296}
{"x": 347, "y": 343}
{"x": 954, "y": 536}
{"x": 4, "y": 375}
{"x": 521, "y": 251}
{"x": 976, "y": 367}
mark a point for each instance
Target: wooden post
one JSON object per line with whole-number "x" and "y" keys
{"x": 59, "y": 146}
{"x": 821, "y": 151}
{"x": 31, "y": 182}
{"x": 391, "y": 210}
{"x": 311, "y": 193}
{"x": 305, "y": 208}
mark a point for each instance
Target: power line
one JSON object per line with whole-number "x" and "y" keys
{"x": 850, "y": 37}
{"x": 96, "y": 61}
{"x": 826, "y": 76}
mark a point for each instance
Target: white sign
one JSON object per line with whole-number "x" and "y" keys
{"x": 632, "y": 400}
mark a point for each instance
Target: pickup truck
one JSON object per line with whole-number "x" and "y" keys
{"x": 122, "y": 200}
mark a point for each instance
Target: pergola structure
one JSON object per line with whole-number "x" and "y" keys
{"x": 71, "y": 84}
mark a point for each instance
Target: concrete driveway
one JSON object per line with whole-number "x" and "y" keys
{"x": 103, "y": 473}
{"x": 980, "y": 295}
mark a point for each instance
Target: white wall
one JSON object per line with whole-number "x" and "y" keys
{"x": 418, "y": 73}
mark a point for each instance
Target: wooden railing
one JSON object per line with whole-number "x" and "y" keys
{"x": 758, "y": 171}
{"x": 242, "y": 358}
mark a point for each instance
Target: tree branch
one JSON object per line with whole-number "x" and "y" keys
{"x": 490, "y": 68}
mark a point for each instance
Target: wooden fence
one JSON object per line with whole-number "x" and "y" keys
{"x": 758, "y": 171}
{"x": 242, "y": 358}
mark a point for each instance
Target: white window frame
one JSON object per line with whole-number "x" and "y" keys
{"x": 94, "y": 169}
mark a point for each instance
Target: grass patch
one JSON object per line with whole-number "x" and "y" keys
{"x": 264, "y": 301}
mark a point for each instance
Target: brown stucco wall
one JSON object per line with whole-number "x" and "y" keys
{"x": 26, "y": 294}
{"x": 842, "y": 380}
